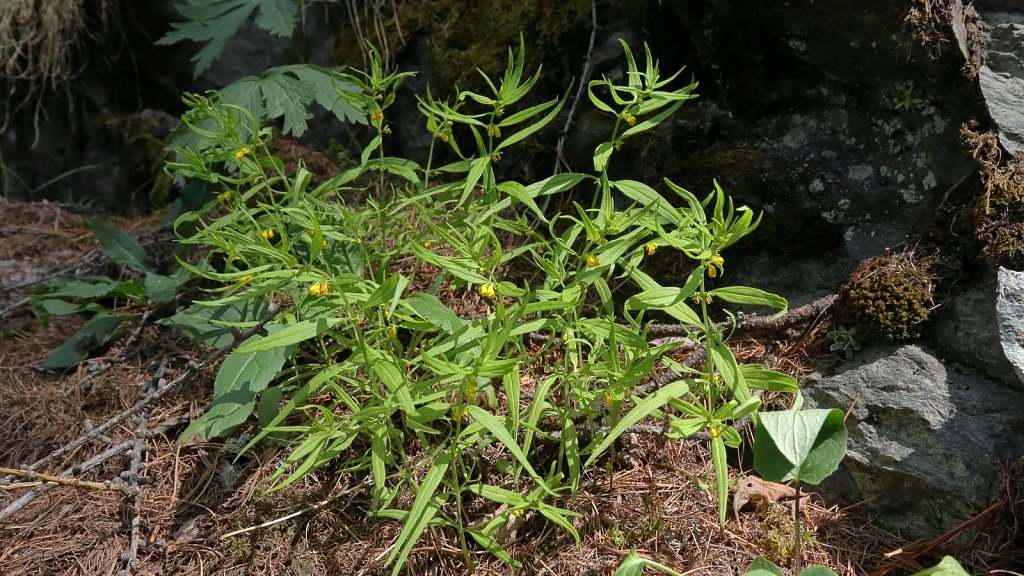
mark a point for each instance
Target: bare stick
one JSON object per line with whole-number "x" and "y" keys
{"x": 185, "y": 376}
{"x": 584, "y": 80}
{"x": 305, "y": 510}
{"x": 16, "y": 506}
{"x": 41, "y": 479}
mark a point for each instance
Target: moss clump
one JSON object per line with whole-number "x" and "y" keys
{"x": 774, "y": 536}
{"x": 888, "y": 298}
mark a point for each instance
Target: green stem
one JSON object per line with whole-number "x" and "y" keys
{"x": 796, "y": 531}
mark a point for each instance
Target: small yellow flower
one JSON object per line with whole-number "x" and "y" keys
{"x": 256, "y": 180}
{"x": 696, "y": 300}
{"x": 428, "y": 244}
{"x": 387, "y": 130}
{"x": 618, "y": 146}
{"x": 540, "y": 248}
{"x": 444, "y": 138}
{"x": 318, "y": 289}
{"x": 714, "y": 432}
{"x": 628, "y": 118}
{"x": 359, "y": 240}
{"x": 609, "y": 400}
{"x": 493, "y": 131}
{"x": 565, "y": 336}
{"x": 487, "y": 290}
{"x": 459, "y": 413}
{"x": 376, "y": 116}
{"x": 323, "y": 245}
{"x": 651, "y": 248}
{"x": 245, "y": 278}
{"x": 393, "y": 331}
{"x": 712, "y": 271}
{"x": 268, "y": 233}
{"x": 224, "y": 196}
{"x": 470, "y": 390}
{"x": 707, "y": 299}
{"x": 717, "y": 260}
{"x": 584, "y": 289}
{"x": 242, "y": 153}
{"x": 518, "y": 511}
{"x": 496, "y": 158}
{"x": 593, "y": 261}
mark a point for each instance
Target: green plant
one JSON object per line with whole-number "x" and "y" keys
{"x": 109, "y": 301}
{"x": 805, "y": 446}
{"x": 375, "y": 367}
{"x": 845, "y": 340}
{"x": 634, "y": 564}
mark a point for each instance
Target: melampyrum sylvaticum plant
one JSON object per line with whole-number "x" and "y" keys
{"x": 385, "y": 380}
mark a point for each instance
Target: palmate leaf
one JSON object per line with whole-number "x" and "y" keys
{"x": 287, "y": 92}
{"x": 216, "y": 21}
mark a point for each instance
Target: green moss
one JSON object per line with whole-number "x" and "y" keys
{"x": 888, "y": 298}
{"x": 775, "y": 534}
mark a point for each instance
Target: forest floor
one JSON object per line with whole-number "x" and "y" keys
{"x": 204, "y": 511}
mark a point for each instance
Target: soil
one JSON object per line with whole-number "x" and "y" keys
{"x": 201, "y": 509}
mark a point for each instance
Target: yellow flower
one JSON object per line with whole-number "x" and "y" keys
{"x": 609, "y": 400}
{"x": 696, "y": 300}
{"x": 269, "y": 233}
{"x": 470, "y": 390}
{"x": 618, "y": 146}
{"x": 393, "y": 331}
{"x": 376, "y": 116}
{"x": 444, "y": 138}
{"x": 318, "y": 289}
{"x": 428, "y": 244}
{"x": 651, "y": 248}
{"x": 242, "y": 153}
{"x": 245, "y": 278}
{"x": 387, "y": 130}
{"x": 593, "y": 261}
{"x": 714, "y": 432}
{"x": 460, "y": 412}
{"x": 628, "y": 118}
{"x": 712, "y": 271}
{"x": 717, "y": 260}
{"x": 496, "y": 158}
{"x": 323, "y": 245}
{"x": 540, "y": 248}
{"x": 708, "y": 299}
{"x": 487, "y": 290}
{"x": 493, "y": 131}
{"x": 224, "y": 196}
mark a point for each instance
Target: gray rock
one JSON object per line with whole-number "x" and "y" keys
{"x": 970, "y": 317}
{"x": 1002, "y": 75}
{"x": 926, "y": 441}
{"x": 1010, "y": 311}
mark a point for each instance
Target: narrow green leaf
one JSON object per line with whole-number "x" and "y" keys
{"x": 721, "y": 476}
{"x": 639, "y": 412}
{"x": 753, "y": 297}
{"x": 491, "y": 423}
{"x": 293, "y": 334}
{"x": 119, "y": 246}
{"x": 424, "y": 508}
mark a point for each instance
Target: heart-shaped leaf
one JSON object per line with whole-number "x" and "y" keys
{"x": 805, "y": 445}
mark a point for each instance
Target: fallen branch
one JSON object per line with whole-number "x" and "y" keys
{"x": 160, "y": 392}
{"x": 36, "y": 479}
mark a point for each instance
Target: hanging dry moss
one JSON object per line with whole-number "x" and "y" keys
{"x": 888, "y": 298}
{"x": 998, "y": 212}
{"x": 41, "y": 46}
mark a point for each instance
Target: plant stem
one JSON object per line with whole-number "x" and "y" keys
{"x": 796, "y": 531}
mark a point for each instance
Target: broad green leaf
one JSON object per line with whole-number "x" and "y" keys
{"x": 210, "y": 326}
{"x": 95, "y": 333}
{"x": 161, "y": 288}
{"x": 633, "y": 565}
{"x": 638, "y": 413}
{"x": 430, "y": 307}
{"x": 763, "y": 567}
{"x": 805, "y": 445}
{"x": 947, "y": 567}
{"x": 119, "y": 246}
{"x": 240, "y": 378}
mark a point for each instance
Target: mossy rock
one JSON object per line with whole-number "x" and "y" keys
{"x": 888, "y": 298}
